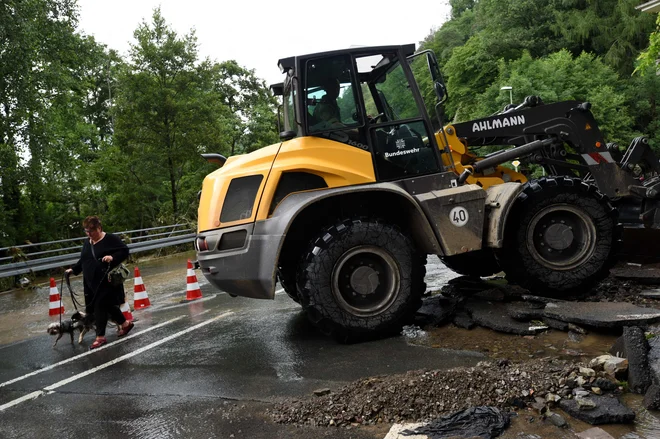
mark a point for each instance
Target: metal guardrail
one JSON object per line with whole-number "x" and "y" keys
{"x": 176, "y": 236}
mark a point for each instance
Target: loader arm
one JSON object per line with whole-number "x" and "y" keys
{"x": 569, "y": 123}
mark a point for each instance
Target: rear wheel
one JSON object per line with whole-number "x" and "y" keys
{"x": 561, "y": 236}
{"x": 361, "y": 278}
{"x": 480, "y": 263}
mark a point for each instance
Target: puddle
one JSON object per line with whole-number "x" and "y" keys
{"x": 518, "y": 348}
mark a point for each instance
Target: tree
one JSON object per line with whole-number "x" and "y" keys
{"x": 613, "y": 29}
{"x": 648, "y": 58}
{"x": 166, "y": 114}
{"x": 250, "y": 119}
{"x": 170, "y": 107}
{"x": 44, "y": 65}
{"x": 560, "y": 77}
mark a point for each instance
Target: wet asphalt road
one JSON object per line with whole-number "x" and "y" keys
{"x": 207, "y": 368}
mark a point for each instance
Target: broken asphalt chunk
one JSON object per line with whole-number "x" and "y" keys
{"x": 637, "y": 349}
{"x": 601, "y": 314}
{"x": 496, "y": 316}
{"x": 608, "y": 410}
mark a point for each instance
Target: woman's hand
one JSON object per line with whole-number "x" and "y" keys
{"x": 107, "y": 259}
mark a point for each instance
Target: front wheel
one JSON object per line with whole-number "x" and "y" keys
{"x": 361, "y": 278}
{"x": 561, "y": 236}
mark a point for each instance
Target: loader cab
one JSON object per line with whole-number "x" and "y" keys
{"x": 367, "y": 98}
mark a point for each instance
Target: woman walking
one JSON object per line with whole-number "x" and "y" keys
{"x": 101, "y": 253}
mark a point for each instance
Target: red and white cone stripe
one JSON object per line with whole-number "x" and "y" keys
{"x": 140, "y": 298}
{"x": 126, "y": 311}
{"x": 192, "y": 286}
{"x": 55, "y": 306}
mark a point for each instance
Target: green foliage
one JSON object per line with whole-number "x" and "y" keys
{"x": 612, "y": 29}
{"x": 84, "y": 132}
{"x": 170, "y": 108}
{"x": 560, "y": 77}
{"x": 648, "y": 59}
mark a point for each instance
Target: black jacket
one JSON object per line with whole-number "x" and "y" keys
{"x": 95, "y": 271}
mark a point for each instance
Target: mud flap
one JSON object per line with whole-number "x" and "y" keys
{"x": 457, "y": 216}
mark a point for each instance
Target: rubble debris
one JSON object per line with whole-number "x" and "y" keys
{"x": 321, "y": 392}
{"x": 636, "y": 347}
{"x": 654, "y": 358}
{"x": 608, "y": 410}
{"x": 482, "y": 422}
{"x": 641, "y": 275}
{"x": 418, "y": 396}
{"x": 602, "y": 314}
{"x": 496, "y": 316}
{"x": 437, "y": 310}
{"x": 556, "y": 324}
{"x": 463, "y": 320}
{"x": 413, "y": 331}
{"x": 557, "y": 420}
{"x": 525, "y": 311}
{"x": 651, "y": 399}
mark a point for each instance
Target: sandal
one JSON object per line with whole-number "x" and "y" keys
{"x": 125, "y": 330}
{"x": 98, "y": 343}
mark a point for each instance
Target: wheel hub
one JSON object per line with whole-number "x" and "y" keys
{"x": 561, "y": 236}
{"x": 365, "y": 280}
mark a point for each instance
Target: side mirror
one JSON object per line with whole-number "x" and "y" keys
{"x": 217, "y": 159}
{"x": 287, "y": 135}
{"x": 433, "y": 66}
{"x": 440, "y": 91}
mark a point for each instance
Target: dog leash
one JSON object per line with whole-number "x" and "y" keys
{"x": 74, "y": 299}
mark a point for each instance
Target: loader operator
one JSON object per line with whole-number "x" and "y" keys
{"x": 326, "y": 111}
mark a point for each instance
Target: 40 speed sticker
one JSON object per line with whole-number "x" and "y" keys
{"x": 459, "y": 216}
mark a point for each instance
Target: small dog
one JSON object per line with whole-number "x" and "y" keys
{"x": 67, "y": 326}
{"x": 86, "y": 322}
{"x": 78, "y": 321}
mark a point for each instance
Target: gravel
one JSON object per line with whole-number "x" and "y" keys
{"x": 423, "y": 395}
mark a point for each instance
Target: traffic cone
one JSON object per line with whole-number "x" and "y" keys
{"x": 192, "y": 288}
{"x": 140, "y": 298}
{"x": 126, "y": 311}
{"x": 55, "y": 306}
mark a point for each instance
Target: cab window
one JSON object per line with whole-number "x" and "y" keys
{"x": 402, "y": 143}
{"x": 330, "y": 99}
{"x": 289, "y": 108}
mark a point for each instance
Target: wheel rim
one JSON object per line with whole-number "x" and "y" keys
{"x": 365, "y": 280}
{"x": 561, "y": 237}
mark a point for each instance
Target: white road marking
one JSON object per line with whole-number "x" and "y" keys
{"x": 186, "y": 303}
{"x": 397, "y": 429}
{"x": 68, "y": 360}
{"x": 52, "y": 387}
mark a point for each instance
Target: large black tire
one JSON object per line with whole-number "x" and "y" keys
{"x": 288, "y": 282}
{"x": 480, "y": 263}
{"x": 561, "y": 237}
{"x": 361, "y": 278}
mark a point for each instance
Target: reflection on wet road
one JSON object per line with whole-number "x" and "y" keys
{"x": 194, "y": 369}
{"x": 217, "y": 347}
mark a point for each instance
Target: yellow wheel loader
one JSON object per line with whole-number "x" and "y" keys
{"x": 365, "y": 184}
